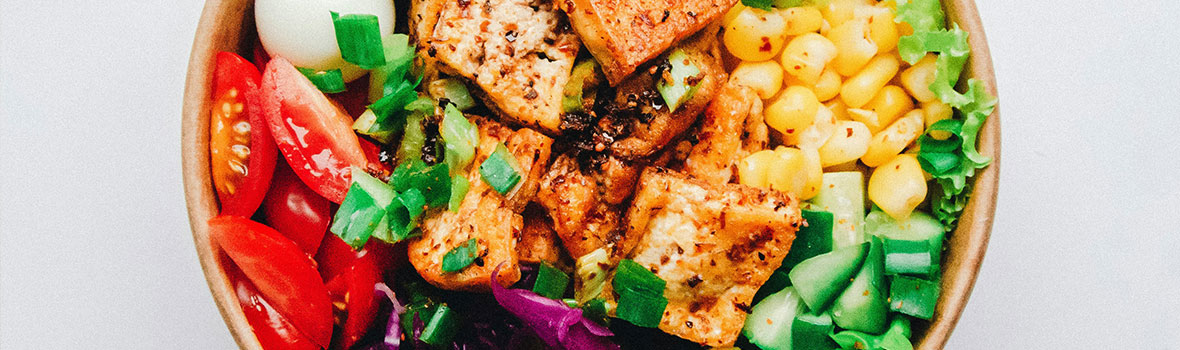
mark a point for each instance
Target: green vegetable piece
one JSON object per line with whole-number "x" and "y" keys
{"x": 758, "y": 4}
{"x": 909, "y": 257}
{"x": 641, "y": 294}
{"x": 913, "y": 296}
{"x": 820, "y": 279}
{"x": 330, "y": 81}
{"x": 595, "y": 310}
{"x": 461, "y": 137}
{"x": 812, "y": 239}
{"x": 459, "y": 187}
{"x": 862, "y": 306}
{"x": 368, "y": 121}
{"x": 359, "y": 39}
{"x": 551, "y": 282}
{"x": 433, "y": 181}
{"x": 399, "y": 58}
{"x": 500, "y": 170}
{"x": 896, "y": 338}
{"x": 591, "y": 275}
{"x": 442, "y": 327}
{"x": 403, "y": 214}
{"x": 362, "y": 210}
{"x": 680, "y": 82}
{"x": 952, "y": 126}
{"x": 843, "y": 195}
{"x": 460, "y": 257}
{"x": 770, "y": 323}
{"x": 811, "y": 331}
{"x": 390, "y": 110}
{"x": 453, "y": 90}
{"x": 584, "y": 75}
{"x": 920, "y": 226}
{"x": 413, "y": 138}
{"x": 922, "y": 15}
{"x": 777, "y": 281}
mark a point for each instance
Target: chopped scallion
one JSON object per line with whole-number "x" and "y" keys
{"x": 330, "y": 81}
{"x": 461, "y": 136}
{"x": 363, "y": 209}
{"x": 460, "y": 257}
{"x": 641, "y": 294}
{"x": 551, "y": 282}
{"x": 680, "y": 82}
{"x": 359, "y": 39}
{"x": 500, "y": 170}
{"x": 459, "y": 187}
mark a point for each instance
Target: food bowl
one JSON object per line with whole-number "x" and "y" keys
{"x": 227, "y": 25}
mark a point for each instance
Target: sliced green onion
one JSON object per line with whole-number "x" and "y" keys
{"x": 460, "y": 257}
{"x": 433, "y": 181}
{"x": 399, "y": 58}
{"x": 442, "y": 326}
{"x": 402, "y": 216}
{"x": 461, "y": 136}
{"x": 551, "y": 282}
{"x": 928, "y": 143}
{"x": 641, "y": 294}
{"x": 908, "y": 257}
{"x": 595, "y": 310}
{"x": 453, "y": 90}
{"x": 362, "y": 210}
{"x": 394, "y": 103}
{"x": 330, "y": 81}
{"x": 500, "y": 170}
{"x": 367, "y": 125}
{"x": 913, "y": 296}
{"x": 573, "y": 97}
{"x": 359, "y": 39}
{"x": 591, "y": 275}
{"x": 423, "y": 105}
{"x": 413, "y": 137}
{"x": 459, "y": 187}
{"x": 938, "y": 163}
{"x": 681, "y": 80}
{"x": 758, "y": 4}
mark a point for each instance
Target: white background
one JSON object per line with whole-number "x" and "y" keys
{"x": 95, "y": 250}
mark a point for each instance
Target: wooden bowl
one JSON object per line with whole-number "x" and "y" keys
{"x": 227, "y": 25}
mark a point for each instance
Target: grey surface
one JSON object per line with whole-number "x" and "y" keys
{"x": 95, "y": 251}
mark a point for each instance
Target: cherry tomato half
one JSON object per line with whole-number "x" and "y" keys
{"x": 240, "y": 146}
{"x": 354, "y": 297}
{"x": 285, "y": 276}
{"x": 271, "y": 328}
{"x": 336, "y": 257}
{"x": 295, "y": 210}
{"x": 314, "y": 134}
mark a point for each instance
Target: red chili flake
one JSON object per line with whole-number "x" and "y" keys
{"x": 765, "y": 45}
{"x": 849, "y": 132}
{"x": 790, "y": 131}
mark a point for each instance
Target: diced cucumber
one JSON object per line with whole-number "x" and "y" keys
{"x": 811, "y": 240}
{"x": 862, "y": 307}
{"x": 909, "y": 257}
{"x": 770, "y": 321}
{"x": 820, "y": 279}
{"x": 913, "y": 296}
{"x": 919, "y": 226}
{"x": 843, "y": 194}
{"x": 811, "y": 331}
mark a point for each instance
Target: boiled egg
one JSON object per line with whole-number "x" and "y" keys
{"x": 302, "y": 31}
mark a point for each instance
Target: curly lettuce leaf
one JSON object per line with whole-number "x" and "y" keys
{"x": 922, "y": 15}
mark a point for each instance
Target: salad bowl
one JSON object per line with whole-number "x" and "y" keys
{"x": 227, "y": 25}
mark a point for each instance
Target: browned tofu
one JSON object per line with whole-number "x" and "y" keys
{"x": 538, "y": 241}
{"x": 492, "y": 219}
{"x": 519, "y": 52}
{"x": 731, "y": 129}
{"x": 650, "y": 129}
{"x": 623, "y": 34}
{"x": 581, "y": 218}
{"x": 715, "y": 245}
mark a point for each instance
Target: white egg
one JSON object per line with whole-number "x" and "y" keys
{"x": 302, "y": 32}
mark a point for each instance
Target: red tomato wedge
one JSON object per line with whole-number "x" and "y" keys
{"x": 271, "y": 328}
{"x": 313, "y": 133}
{"x": 285, "y": 276}
{"x": 241, "y": 150}
{"x": 336, "y": 257}
{"x": 296, "y": 211}
{"x": 354, "y": 291}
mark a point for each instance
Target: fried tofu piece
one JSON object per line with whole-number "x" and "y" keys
{"x": 519, "y": 52}
{"x": 581, "y": 218}
{"x": 492, "y": 219}
{"x": 651, "y": 129}
{"x": 538, "y": 241}
{"x": 623, "y": 34}
{"x": 715, "y": 245}
{"x": 732, "y": 128}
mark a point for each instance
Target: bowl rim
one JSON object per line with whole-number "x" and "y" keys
{"x": 220, "y": 29}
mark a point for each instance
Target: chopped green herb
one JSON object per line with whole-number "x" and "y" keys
{"x": 363, "y": 209}
{"x": 399, "y": 59}
{"x": 591, "y": 275}
{"x": 500, "y": 170}
{"x": 459, "y": 187}
{"x": 573, "y": 97}
{"x": 460, "y": 257}
{"x": 441, "y": 327}
{"x": 641, "y": 294}
{"x": 680, "y": 82}
{"x": 461, "y": 136}
{"x": 432, "y": 181}
{"x": 330, "y": 81}
{"x": 551, "y": 282}
{"x": 359, "y": 39}
{"x": 453, "y": 90}
{"x": 367, "y": 125}
{"x": 758, "y": 4}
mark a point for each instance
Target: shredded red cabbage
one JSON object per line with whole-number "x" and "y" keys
{"x": 557, "y": 324}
